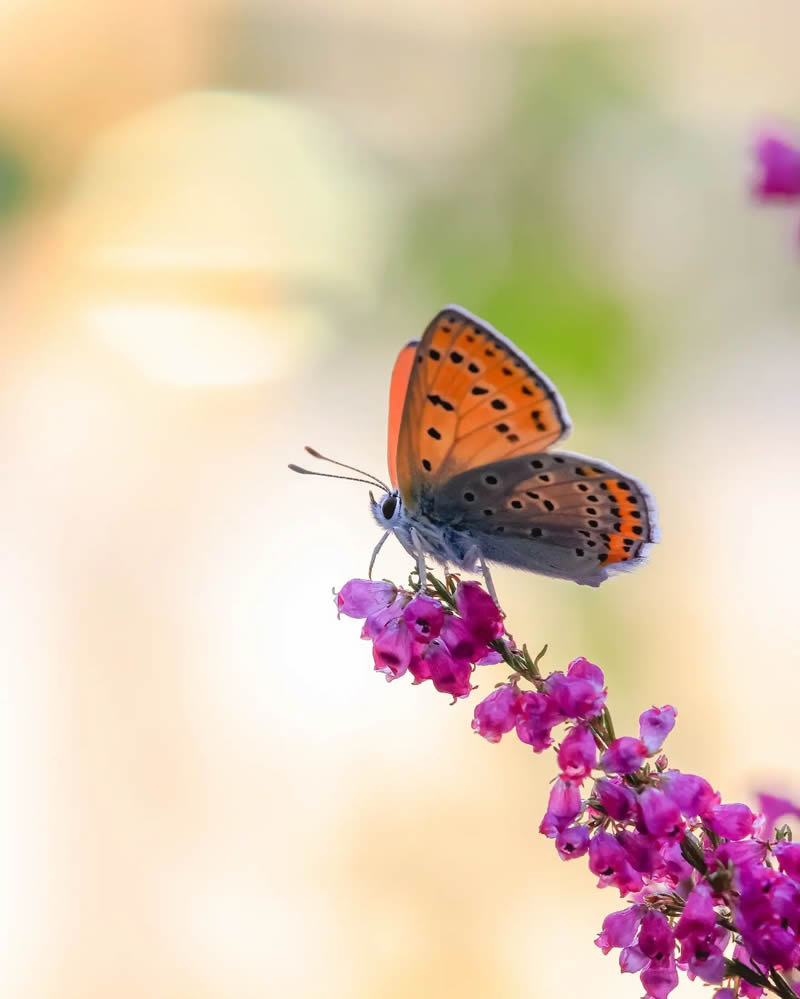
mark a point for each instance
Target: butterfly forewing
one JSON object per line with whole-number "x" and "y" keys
{"x": 472, "y": 399}
{"x": 398, "y": 390}
{"x": 554, "y": 512}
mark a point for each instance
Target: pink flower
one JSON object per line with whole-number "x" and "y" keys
{"x": 744, "y": 853}
{"x": 767, "y": 917}
{"x": 617, "y": 800}
{"x": 609, "y": 861}
{"x": 676, "y": 867}
{"x": 624, "y": 756}
{"x": 362, "y": 597}
{"x": 448, "y": 674}
{"x": 660, "y": 814}
{"x": 659, "y": 979}
{"x": 572, "y": 842}
{"x": 496, "y": 714}
{"x": 537, "y": 716}
{"x": 704, "y": 957}
{"x": 577, "y": 754}
{"x": 581, "y": 694}
{"x": 698, "y": 917}
{"x": 780, "y": 168}
{"x": 419, "y": 669}
{"x": 377, "y": 620}
{"x": 393, "y": 649}
{"x": 655, "y": 725}
{"x": 460, "y": 640}
{"x": 424, "y": 617}
{"x": 731, "y": 821}
{"x": 693, "y": 795}
{"x": 619, "y": 928}
{"x": 632, "y": 960}
{"x": 480, "y": 613}
{"x": 788, "y": 855}
{"x": 564, "y": 806}
{"x": 656, "y": 939}
{"x": 774, "y": 807}
{"x": 642, "y": 851}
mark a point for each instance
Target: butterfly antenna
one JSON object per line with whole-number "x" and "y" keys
{"x": 327, "y": 475}
{"x": 350, "y": 468}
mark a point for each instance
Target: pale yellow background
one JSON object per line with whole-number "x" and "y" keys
{"x": 208, "y": 794}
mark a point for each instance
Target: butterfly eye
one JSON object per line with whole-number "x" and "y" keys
{"x": 389, "y": 507}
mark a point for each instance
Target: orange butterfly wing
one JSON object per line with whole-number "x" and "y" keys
{"x": 397, "y": 397}
{"x": 471, "y": 398}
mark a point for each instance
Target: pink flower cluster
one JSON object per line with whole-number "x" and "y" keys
{"x": 697, "y": 871}
{"x": 710, "y": 892}
{"x": 417, "y": 634}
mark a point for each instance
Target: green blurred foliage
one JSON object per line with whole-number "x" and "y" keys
{"x": 499, "y": 239}
{"x": 14, "y": 183}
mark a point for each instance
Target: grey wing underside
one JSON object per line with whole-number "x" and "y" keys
{"x": 554, "y": 513}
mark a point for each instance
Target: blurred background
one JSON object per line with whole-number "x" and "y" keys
{"x": 219, "y": 221}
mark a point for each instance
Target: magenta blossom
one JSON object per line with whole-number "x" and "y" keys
{"x": 616, "y": 799}
{"x": 460, "y": 640}
{"x": 480, "y": 613}
{"x": 779, "y": 164}
{"x": 609, "y": 861}
{"x": 424, "y": 617}
{"x": 624, "y": 756}
{"x": 731, "y": 821}
{"x": 537, "y": 717}
{"x": 448, "y": 674}
{"x": 581, "y": 694}
{"x": 562, "y": 808}
{"x": 394, "y": 649}
{"x": 655, "y": 725}
{"x": 497, "y": 714}
{"x": 620, "y": 928}
{"x": 774, "y": 807}
{"x": 363, "y": 597}
{"x": 572, "y": 842}
{"x": 661, "y": 816}
{"x": 379, "y": 619}
{"x": 577, "y": 755}
{"x": 693, "y": 795}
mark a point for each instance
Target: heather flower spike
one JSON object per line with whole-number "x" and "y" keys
{"x": 708, "y": 893}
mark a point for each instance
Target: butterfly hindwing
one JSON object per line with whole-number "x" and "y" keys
{"x": 555, "y": 513}
{"x": 472, "y": 399}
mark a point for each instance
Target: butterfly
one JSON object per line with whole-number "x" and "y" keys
{"x": 473, "y": 479}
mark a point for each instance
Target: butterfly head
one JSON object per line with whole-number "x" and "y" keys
{"x": 388, "y": 509}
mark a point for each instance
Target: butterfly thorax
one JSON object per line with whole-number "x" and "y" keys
{"x": 422, "y": 530}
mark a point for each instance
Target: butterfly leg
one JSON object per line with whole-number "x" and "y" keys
{"x": 419, "y": 553}
{"x": 375, "y": 551}
{"x": 487, "y": 578}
